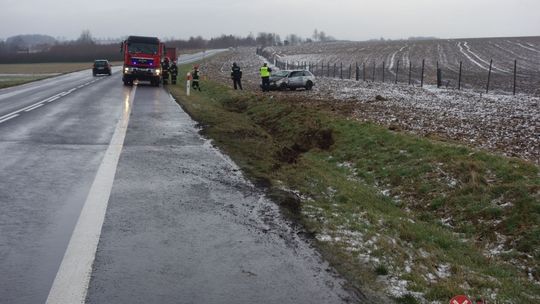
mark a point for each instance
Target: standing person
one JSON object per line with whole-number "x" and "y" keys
{"x": 196, "y": 75}
{"x": 174, "y": 72}
{"x": 165, "y": 70}
{"x": 236, "y": 75}
{"x": 265, "y": 77}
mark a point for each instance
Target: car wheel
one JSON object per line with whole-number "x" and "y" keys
{"x": 283, "y": 87}
{"x": 309, "y": 85}
{"x": 293, "y": 88}
{"x": 94, "y": 74}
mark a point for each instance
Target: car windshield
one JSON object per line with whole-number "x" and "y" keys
{"x": 100, "y": 63}
{"x": 281, "y": 73}
{"x": 146, "y": 48}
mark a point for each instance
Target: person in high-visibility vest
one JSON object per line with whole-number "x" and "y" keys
{"x": 165, "y": 70}
{"x": 174, "y": 72}
{"x": 196, "y": 74}
{"x": 265, "y": 77}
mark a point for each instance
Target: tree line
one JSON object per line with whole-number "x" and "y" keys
{"x": 42, "y": 48}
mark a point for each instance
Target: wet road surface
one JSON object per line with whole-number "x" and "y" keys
{"x": 182, "y": 225}
{"x": 48, "y": 158}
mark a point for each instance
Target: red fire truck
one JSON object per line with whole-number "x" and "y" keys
{"x": 142, "y": 59}
{"x": 171, "y": 53}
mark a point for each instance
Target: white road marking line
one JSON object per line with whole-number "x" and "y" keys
{"x": 8, "y": 118}
{"x": 37, "y": 104}
{"x": 34, "y": 107}
{"x": 71, "y": 283}
{"x": 20, "y": 110}
{"x": 52, "y": 97}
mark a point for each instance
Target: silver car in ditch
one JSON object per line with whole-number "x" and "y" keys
{"x": 292, "y": 79}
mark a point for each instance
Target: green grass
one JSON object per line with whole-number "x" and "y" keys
{"x": 9, "y": 81}
{"x": 370, "y": 192}
{"x": 36, "y": 71}
{"x": 46, "y": 68}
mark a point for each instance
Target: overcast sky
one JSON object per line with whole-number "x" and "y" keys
{"x": 343, "y": 19}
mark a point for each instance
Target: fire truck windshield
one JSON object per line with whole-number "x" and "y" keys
{"x": 146, "y": 48}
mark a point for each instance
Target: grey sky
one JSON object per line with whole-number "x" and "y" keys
{"x": 344, "y": 19}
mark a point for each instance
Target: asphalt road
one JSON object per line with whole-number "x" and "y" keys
{"x": 181, "y": 224}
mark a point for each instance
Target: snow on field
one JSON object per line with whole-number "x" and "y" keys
{"x": 496, "y": 122}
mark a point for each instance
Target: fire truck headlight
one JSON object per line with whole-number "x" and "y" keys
{"x": 158, "y": 71}
{"x": 126, "y": 70}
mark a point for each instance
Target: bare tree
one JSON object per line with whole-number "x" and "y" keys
{"x": 85, "y": 38}
{"x": 294, "y": 39}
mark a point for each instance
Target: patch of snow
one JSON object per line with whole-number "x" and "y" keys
{"x": 424, "y": 253}
{"x": 443, "y": 271}
{"x": 447, "y": 222}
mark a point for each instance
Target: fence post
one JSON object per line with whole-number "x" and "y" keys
{"x": 515, "y": 74}
{"x": 373, "y": 77}
{"x": 356, "y": 71}
{"x": 334, "y": 71}
{"x": 350, "y": 70}
{"x": 410, "y": 71}
{"x": 364, "y": 71}
{"x": 422, "y": 77}
{"x": 459, "y": 78}
{"x": 489, "y": 75}
{"x": 341, "y": 70}
{"x": 439, "y": 75}
{"x": 328, "y": 69}
{"x": 397, "y": 71}
{"x": 383, "y": 71}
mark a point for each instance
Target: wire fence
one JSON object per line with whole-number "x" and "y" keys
{"x": 458, "y": 76}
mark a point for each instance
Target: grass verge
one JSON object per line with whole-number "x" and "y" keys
{"x": 415, "y": 218}
{"x": 21, "y": 73}
{"x": 10, "y": 81}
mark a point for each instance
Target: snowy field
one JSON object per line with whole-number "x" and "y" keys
{"x": 497, "y": 122}
{"x": 399, "y": 56}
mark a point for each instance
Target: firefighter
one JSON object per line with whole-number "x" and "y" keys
{"x": 236, "y": 76}
{"x": 165, "y": 70}
{"x": 174, "y": 72}
{"x": 196, "y": 75}
{"x": 265, "y": 77}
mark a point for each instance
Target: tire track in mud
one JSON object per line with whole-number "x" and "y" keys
{"x": 495, "y": 68}
{"x": 393, "y": 59}
{"x": 525, "y": 47}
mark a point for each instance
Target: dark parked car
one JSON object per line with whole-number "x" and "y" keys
{"x": 101, "y": 66}
{"x": 292, "y": 79}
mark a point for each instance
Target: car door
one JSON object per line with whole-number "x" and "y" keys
{"x": 295, "y": 79}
